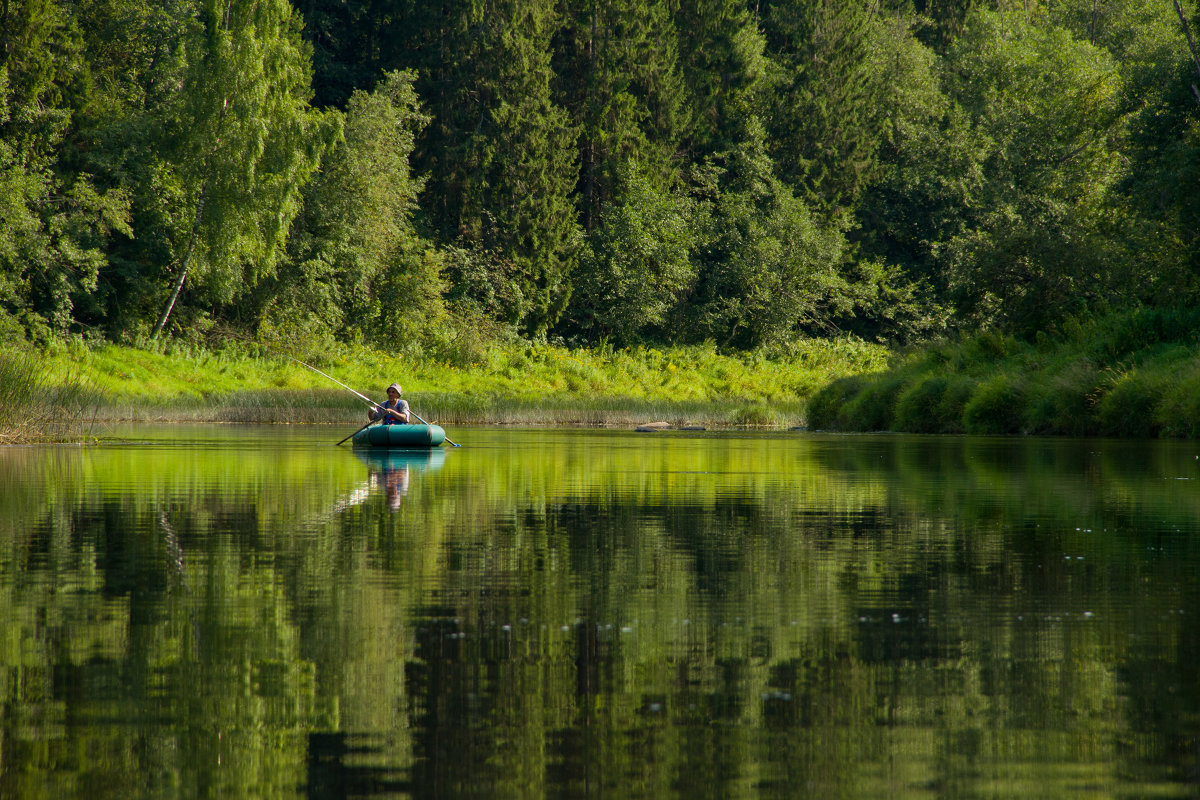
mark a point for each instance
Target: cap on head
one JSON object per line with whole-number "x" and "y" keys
{"x": 395, "y": 386}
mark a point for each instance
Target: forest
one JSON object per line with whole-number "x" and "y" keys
{"x": 422, "y": 176}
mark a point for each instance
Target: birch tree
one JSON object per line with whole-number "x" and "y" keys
{"x": 238, "y": 145}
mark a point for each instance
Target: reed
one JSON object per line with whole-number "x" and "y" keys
{"x": 34, "y": 409}
{"x": 524, "y": 383}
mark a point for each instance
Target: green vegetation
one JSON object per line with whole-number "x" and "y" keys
{"x": 246, "y": 382}
{"x": 32, "y": 406}
{"x": 443, "y": 181}
{"x": 1131, "y": 374}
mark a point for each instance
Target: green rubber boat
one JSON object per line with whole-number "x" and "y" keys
{"x": 399, "y": 436}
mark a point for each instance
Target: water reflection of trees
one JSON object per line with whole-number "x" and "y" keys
{"x": 849, "y": 628}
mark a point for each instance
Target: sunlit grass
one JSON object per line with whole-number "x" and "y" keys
{"x": 524, "y": 384}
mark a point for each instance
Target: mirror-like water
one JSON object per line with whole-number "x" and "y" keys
{"x": 252, "y": 612}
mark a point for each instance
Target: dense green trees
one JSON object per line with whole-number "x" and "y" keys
{"x": 355, "y": 262}
{"x": 236, "y": 143}
{"x": 411, "y": 173}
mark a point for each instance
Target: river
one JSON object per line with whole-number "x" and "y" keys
{"x": 240, "y": 611}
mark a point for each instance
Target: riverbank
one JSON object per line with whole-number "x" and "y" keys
{"x": 1134, "y": 374}
{"x": 532, "y": 384}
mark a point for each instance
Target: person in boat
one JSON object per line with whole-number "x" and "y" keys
{"x": 392, "y": 412}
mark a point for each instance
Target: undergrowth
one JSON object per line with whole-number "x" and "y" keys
{"x": 1135, "y": 374}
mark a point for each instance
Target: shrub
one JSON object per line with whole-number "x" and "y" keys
{"x": 1128, "y": 408}
{"x": 917, "y": 406}
{"x": 1179, "y": 411}
{"x": 959, "y": 390}
{"x": 825, "y": 407}
{"x": 1122, "y": 335}
{"x": 989, "y": 346}
{"x": 873, "y": 408}
{"x": 995, "y": 407}
{"x": 1064, "y": 403}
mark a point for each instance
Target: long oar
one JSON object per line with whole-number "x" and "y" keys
{"x": 366, "y": 399}
{"x": 360, "y": 430}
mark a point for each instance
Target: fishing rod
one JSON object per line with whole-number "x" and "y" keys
{"x": 366, "y": 399}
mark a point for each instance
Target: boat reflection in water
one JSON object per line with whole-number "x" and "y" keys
{"x": 392, "y": 469}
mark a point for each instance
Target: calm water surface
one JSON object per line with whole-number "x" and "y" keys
{"x": 204, "y": 611}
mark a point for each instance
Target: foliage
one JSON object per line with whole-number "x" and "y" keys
{"x": 1124, "y": 374}
{"x": 619, "y": 77}
{"x": 825, "y": 107}
{"x": 638, "y": 265}
{"x": 1045, "y": 110}
{"x": 768, "y": 267}
{"x": 441, "y": 178}
{"x": 357, "y": 264}
{"x": 53, "y": 226}
{"x": 238, "y": 144}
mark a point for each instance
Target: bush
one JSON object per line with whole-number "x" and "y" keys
{"x": 1064, "y": 403}
{"x": 873, "y": 408}
{"x": 995, "y": 407}
{"x": 825, "y": 407}
{"x": 1128, "y": 408}
{"x": 1122, "y": 335}
{"x": 1179, "y": 410}
{"x": 918, "y": 405}
{"x": 950, "y": 408}
{"x": 989, "y": 346}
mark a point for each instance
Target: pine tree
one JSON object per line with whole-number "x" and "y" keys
{"x": 617, "y": 66}
{"x": 725, "y": 71}
{"x": 500, "y": 153}
{"x": 944, "y": 20}
{"x": 824, "y": 116}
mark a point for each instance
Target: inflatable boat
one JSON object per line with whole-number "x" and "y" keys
{"x": 399, "y": 436}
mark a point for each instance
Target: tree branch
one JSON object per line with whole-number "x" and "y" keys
{"x": 1187, "y": 31}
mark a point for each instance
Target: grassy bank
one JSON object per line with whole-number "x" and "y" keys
{"x": 528, "y": 384}
{"x": 1135, "y": 374}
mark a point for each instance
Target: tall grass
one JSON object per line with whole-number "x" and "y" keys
{"x": 519, "y": 383}
{"x": 33, "y": 408}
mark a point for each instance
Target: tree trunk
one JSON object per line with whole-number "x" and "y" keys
{"x": 183, "y": 267}
{"x": 1187, "y": 31}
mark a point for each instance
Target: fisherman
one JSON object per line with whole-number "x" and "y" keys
{"x": 394, "y": 411}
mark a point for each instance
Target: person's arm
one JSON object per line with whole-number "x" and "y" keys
{"x": 400, "y": 412}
